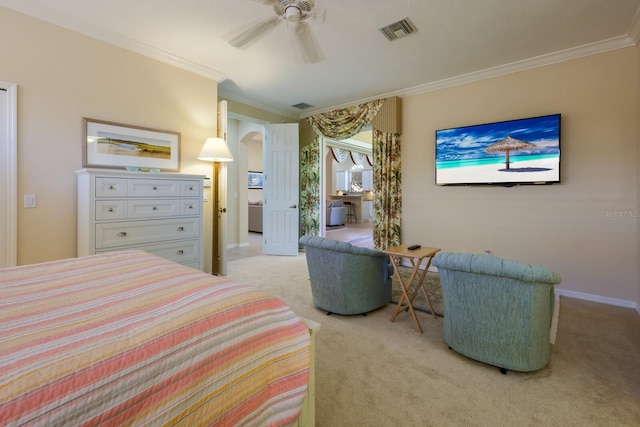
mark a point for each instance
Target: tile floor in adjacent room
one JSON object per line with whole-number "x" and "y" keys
{"x": 358, "y": 234}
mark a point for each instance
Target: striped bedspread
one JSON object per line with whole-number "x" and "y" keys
{"x": 128, "y": 338}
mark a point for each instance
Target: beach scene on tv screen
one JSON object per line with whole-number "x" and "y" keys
{"x": 516, "y": 151}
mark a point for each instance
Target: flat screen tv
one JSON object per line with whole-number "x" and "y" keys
{"x": 523, "y": 151}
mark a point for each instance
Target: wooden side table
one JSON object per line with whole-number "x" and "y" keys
{"x": 396, "y": 253}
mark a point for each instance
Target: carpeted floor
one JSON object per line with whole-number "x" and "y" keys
{"x": 371, "y": 372}
{"x": 431, "y": 286}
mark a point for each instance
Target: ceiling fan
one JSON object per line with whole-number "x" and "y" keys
{"x": 295, "y": 13}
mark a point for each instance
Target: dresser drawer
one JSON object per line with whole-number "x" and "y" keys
{"x": 183, "y": 251}
{"x": 127, "y": 233}
{"x": 111, "y": 187}
{"x": 190, "y": 207}
{"x": 145, "y": 208}
{"x": 153, "y": 188}
{"x": 190, "y": 188}
{"x": 193, "y": 264}
{"x": 153, "y": 208}
{"x": 111, "y": 209}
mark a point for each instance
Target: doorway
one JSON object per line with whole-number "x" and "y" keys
{"x": 250, "y": 197}
{"x": 247, "y": 136}
{"x": 348, "y": 174}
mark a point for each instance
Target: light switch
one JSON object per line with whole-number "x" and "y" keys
{"x": 29, "y": 200}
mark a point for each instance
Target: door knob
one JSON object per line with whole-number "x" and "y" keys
{"x": 293, "y": 206}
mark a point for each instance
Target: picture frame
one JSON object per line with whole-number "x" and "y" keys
{"x": 255, "y": 180}
{"x": 114, "y": 145}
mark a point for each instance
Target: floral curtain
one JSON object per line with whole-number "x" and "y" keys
{"x": 310, "y": 188}
{"x": 387, "y": 195}
{"x": 387, "y": 176}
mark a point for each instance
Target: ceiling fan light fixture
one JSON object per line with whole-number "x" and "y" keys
{"x": 293, "y": 10}
{"x": 292, "y": 14}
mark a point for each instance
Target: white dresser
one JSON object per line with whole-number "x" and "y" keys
{"x": 160, "y": 213}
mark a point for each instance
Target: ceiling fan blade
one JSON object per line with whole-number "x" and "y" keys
{"x": 306, "y": 43}
{"x": 255, "y": 31}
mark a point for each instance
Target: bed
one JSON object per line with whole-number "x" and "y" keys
{"x": 129, "y": 338}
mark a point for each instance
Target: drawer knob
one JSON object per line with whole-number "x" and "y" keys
{"x": 111, "y": 187}
{"x": 190, "y": 206}
{"x": 190, "y": 188}
{"x": 180, "y": 228}
{"x": 110, "y": 210}
{"x": 122, "y": 234}
{"x": 180, "y": 252}
{"x": 155, "y": 188}
{"x": 155, "y": 209}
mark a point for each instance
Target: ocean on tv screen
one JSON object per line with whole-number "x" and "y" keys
{"x": 516, "y": 151}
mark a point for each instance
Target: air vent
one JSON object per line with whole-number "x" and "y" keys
{"x": 399, "y": 29}
{"x": 302, "y": 105}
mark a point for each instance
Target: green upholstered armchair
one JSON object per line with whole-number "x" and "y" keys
{"x": 497, "y": 311}
{"x": 346, "y": 279}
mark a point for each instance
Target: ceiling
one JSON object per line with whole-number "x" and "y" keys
{"x": 456, "y": 41}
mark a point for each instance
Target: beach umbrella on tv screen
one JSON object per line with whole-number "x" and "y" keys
{"x": 508, "y": 144}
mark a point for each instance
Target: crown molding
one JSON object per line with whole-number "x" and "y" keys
{"x": 222, "y": 94}
{"x": 634, "y": 29}
{"x": 514, "y": 67}
{"x": 527, "y": 64}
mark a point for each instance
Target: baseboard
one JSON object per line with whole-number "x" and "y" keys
{"x": 579, "y": 295}
{"x": 238, "y": 245}
{"x": 554, "y": 320}
{"x": 597, "y": 298}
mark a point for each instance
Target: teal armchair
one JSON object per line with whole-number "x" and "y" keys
{"x": 346, "y": 279}
{"x": 497, "y": 311}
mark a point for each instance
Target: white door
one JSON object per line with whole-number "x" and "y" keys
{"x": 280, "y": 212}
{"x": 9, "y": 175}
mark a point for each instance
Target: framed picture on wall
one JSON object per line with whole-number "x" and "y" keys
{"x": 114, "y": 145}
{"x": 255, "y": 180}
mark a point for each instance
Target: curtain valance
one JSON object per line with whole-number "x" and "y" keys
{"x": 358, "y": 159}
{"x": 345, "y": 122}
{"x": 340, "y": 155}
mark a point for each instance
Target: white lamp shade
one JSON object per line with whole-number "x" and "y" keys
{"x": 215, "y": 150}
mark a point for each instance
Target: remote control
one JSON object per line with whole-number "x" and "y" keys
{"x": 413, "y": 247}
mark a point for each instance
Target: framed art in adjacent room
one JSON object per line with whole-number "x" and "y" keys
{"x": 255, "y": 180}
{"x": 114, "y": 145}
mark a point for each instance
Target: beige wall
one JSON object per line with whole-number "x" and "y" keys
{"x": 577, "y": 228}
{"x": 62, "y": 77}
